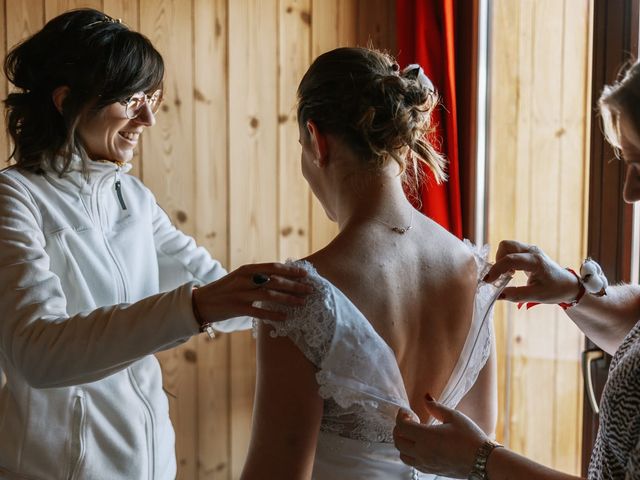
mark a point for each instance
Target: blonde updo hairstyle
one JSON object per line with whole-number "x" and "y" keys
{"x": 621, "y": 102}
{"x": 361, "y": 96}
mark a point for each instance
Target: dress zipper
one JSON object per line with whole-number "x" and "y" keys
{"x": 119, "y": 190}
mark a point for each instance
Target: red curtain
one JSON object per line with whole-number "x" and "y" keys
{"x": 426, "y": 35}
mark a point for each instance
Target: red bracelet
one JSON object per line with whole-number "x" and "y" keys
{"x": 204, "y": 325}
{"x": 581, "y": 291}
{"x": 563, "y": 305}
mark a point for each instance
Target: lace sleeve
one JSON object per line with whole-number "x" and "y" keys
{"x": 311, "y": 327}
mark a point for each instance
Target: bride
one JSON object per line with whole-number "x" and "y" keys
{"x": 398, "y": 313}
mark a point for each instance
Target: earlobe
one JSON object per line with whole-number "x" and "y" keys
{"x": 58, "y": 96}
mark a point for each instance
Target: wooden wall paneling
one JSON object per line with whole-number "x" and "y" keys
{"x": 324, "y": 37}
{"x": 169, "y": 170}
{"x": 517, "y": 422}
{"x": 537, "y": 168}
{"x": 535, "y": 354}
{"x": 503, "y": 135}
{"x": 56, "y": 7}
{"x": 253, "y": 129}
{"x": 294, "y": 57}
{"x": 127, "y": 11}
{"x": 212, "y": 216}
{"x": 571, "y": 248}
{"x": 376, "y": 24}
{"x": 23, "y": 20}
{"x": 346, "y": 23}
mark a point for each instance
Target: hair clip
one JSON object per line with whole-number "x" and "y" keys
{"x": 415, "y": 72}
{"x": 106, "y": 19}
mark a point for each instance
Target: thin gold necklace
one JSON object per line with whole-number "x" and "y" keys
{"x": 396, "y": 228}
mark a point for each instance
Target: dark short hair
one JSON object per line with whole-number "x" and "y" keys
{"x": 97, "y": 57}
{"x": 380, "y": 112}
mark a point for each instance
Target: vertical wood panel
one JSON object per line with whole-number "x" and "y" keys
{"x": 294, "y": 59}
{"x": 534, "y": 355}
{"x": 169, "y": 170}
{"x": 23, "y": 19}
{"x": 212, "y": 215}
{"x": 253, "y": 153}
{"x": 376, "y": 20}
{"x": 56, "y": 7}
{"x": 503, "y": 138}
{"x": 538, "y": 167}
{"x": 571, "y": 248}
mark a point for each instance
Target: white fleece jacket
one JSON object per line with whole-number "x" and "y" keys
{"x": 82, "y": 262}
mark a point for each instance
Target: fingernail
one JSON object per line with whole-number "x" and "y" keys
{"x": 429, "y": 398}
{"x": 502, "y": 296}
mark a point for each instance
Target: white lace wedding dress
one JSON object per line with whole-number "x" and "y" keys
{"x": 360, "y": 380}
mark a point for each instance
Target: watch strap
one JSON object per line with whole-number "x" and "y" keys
{"x": 479, "y": 470}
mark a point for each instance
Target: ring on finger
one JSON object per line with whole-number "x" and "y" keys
{"x": 260, "y": 279}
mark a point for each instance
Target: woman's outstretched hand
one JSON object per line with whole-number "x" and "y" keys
{"x": 547, "y": 281}
{"x": 234, "y": 294}
{"x": 448, "y": 449}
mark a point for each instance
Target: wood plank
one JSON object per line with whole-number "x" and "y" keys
{"x": 54, "y": 8}
{"x": 23, "y": 20}
{"x": 572, "y": 242}
{"x": 169, "y": 170}
{"x": 537, "y": 149}
{"x": 502, "y": 206}
{"x": 541, "y": 164}
{"x": 324, "y": 36}
{"x": 294, "y": 57}
{"x": 253, "y": 42}
{"x": 347, "y": 23}
{"x": 374, "y": 24}
{"x": 212, "y": 217}
{"x": 127, "y": 11}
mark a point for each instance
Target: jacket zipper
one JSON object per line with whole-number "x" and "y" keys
{"x": 77, "y": 436}
{"x": 118, "y": 187}
{"x": 123, "y": 296}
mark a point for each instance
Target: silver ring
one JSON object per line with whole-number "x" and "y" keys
{"x": 260, "y": 279}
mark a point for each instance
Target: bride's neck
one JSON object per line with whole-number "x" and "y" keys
{"x": 372, "y": 196}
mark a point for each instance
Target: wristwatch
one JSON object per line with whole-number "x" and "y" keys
{"x": 479, "y": 470}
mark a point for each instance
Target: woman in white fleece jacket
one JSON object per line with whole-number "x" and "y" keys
{"x": 94, "y": 276}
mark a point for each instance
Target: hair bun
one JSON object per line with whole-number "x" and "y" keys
{"x": 382, "y": 113}
{"x": 415, "y": 72}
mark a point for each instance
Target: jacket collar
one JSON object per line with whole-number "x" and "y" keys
{"x": 85, "y": 179}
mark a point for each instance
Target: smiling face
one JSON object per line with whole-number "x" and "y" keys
{"x": 630, "y": 146}
{"x": 109, "y": 135}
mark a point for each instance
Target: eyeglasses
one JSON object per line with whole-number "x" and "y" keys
{"x": 136, "y": 102}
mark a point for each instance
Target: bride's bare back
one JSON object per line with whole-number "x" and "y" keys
{"x": 417, "y": 291}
